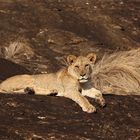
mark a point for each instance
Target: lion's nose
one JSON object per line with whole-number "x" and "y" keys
{"x": 83, "y": 74}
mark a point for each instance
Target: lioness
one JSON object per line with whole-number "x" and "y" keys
{"x": 73, "y": 82}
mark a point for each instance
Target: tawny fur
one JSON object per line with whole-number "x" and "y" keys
{"x": 120, "y": 71}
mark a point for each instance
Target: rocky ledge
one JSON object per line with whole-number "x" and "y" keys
{"x": 33, "y": 117}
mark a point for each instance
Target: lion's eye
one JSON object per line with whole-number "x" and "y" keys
{"x": 86, "y": 65}
{"x": 77, "y": 66}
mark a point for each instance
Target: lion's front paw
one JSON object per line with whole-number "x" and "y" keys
{"x": 101, "y": 101}
{"x": 89, "y": 109}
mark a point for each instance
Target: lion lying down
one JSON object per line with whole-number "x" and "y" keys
{"x": 73, "y": 82}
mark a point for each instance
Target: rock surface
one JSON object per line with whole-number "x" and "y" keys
{"x": 8, "y": 69}
{"x": 41, "y": 117}
{"x": 55, "y": 28}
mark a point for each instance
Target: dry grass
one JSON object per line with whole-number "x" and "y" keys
{"x": 20, "y": 51}
{"x": 120, "y": 71}
{"x": 17, "y": 50}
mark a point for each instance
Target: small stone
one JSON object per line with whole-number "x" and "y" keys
{"x": 50, "y": 41}
{"x": 41, "y": 117}
{"x": 121, "y": 2}
{"x": 95, "y": 7}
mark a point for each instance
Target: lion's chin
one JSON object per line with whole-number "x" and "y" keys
{"x": 83, "y": 80}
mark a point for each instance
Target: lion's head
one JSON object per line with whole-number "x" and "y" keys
{"x": 81, "y": 67}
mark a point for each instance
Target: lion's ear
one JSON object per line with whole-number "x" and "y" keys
{"x": 92, "y": 57}
{"x": 71, "y": 59}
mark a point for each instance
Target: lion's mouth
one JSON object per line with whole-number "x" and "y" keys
{"x": 83, "y": 80}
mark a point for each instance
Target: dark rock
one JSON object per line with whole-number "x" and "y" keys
{"x": 8, "y": 69}
{"x": 46, "y": 117}
{"x": 60, "y": 27}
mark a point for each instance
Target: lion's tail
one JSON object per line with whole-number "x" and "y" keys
{"x": 120, "y": 72}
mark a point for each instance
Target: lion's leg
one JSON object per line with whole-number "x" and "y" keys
{"x": 82, "y": 101}
{"x": 94, "y": 93}
{"x": 33, "y": 89}
{"x": 41, "y": 91}
{"x": 20, "y": 91}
